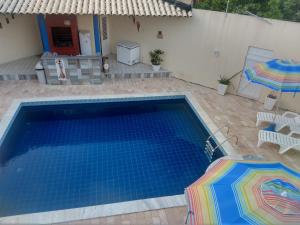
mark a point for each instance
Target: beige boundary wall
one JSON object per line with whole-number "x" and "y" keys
{"x": 190, "y": 44}
{"x": 20, "y": 38}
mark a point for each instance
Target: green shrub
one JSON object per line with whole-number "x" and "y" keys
{"x": 274, "y": 9}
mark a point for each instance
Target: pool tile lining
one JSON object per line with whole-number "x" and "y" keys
{"x": 114, "y": 208}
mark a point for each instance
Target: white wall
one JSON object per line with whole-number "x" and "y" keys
{"x": 20, "y": 38}
{"x": 190, "y": 44}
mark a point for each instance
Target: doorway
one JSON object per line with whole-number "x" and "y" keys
{"x": 254, "y": 55}
{"x": 63, "y": 34}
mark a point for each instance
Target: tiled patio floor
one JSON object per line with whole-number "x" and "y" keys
{"x": 138, "y": 70}
{"x": 239, "y": 112}
{"x": 24, "y": 66}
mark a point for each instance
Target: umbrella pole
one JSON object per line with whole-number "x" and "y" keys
{"x": 277, "y": 107}
{"x": 278, "y": 101}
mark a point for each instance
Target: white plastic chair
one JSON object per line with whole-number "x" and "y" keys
{"x": 286, "y": 142}
{"x": 288, "y": 119}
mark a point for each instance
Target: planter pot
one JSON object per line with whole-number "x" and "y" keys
{"x": 156, "y": 68}
{"x": 222, "y": 88}
{"x": 269, "y": 103}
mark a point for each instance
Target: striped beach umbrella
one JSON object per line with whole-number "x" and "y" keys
{"x": 278, "y": 75}
{"x": 244, "y": 192}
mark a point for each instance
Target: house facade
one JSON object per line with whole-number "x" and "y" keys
{"x": 75, "y": 34}
{"x": 61, "y": 22}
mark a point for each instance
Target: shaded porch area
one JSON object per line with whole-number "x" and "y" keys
{"x": 24, "y": 69}
{"x": 139, "y": 70}
{"x": 21, "y": 69}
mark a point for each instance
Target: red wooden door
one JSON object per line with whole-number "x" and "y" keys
{"x": 63, "y": 34}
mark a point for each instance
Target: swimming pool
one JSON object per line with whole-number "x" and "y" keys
{"x": 57, "y": 155}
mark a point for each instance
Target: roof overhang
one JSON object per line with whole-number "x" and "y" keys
{"x": 172, "y": 8}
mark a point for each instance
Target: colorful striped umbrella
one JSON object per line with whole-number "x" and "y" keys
{"x": 278, "y": 75}
{"x": 244, "y": 192}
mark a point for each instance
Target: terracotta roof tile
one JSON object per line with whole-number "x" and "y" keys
{"x": 90, "y": 7}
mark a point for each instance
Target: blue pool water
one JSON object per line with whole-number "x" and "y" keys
{"x": 75, "y": 155}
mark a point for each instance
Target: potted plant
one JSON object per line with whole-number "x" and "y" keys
{"x": 223, "y": 85}
{"x": 156, "y": 59}
{"x": 270, "y": 101}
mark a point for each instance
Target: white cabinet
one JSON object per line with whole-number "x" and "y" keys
{"x": 128, "y": 52}
{"x": 85, "y": 43}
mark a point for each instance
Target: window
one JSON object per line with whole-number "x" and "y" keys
{"x": 62, "y": 37}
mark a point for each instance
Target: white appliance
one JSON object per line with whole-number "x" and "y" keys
{"x": 85, "y": 43}
{"x": 128, "y": 52}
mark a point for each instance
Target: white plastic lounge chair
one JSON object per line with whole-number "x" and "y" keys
{"x": 286, "y": 142}
{"x": 288, "y": 119}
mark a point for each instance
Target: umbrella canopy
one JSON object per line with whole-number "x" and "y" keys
{"x": 243, "y": 192}
{"x": 278, "y": 75}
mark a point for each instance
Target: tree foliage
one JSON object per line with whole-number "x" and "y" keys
{"x": 275, "y": 9}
